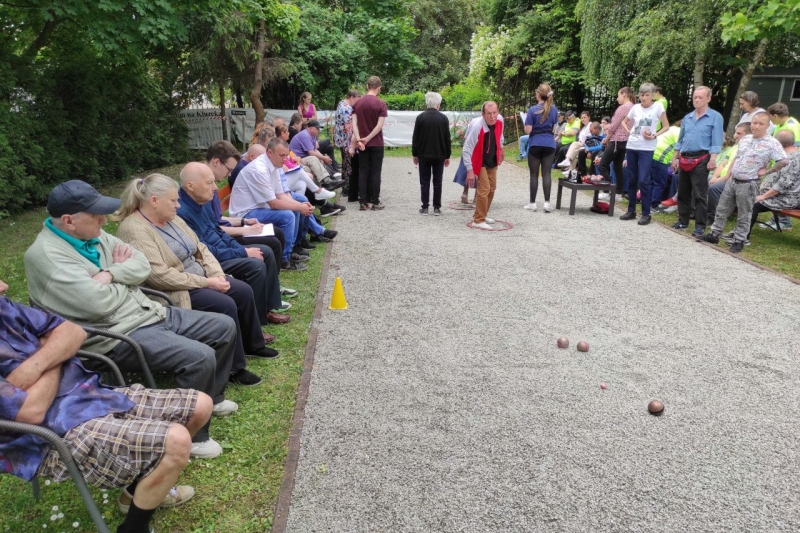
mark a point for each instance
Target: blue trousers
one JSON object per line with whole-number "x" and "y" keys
{"x": 306, "y": 222}
{"x": 288, "y": 221}
{"x": 523, "y": 146}
{"x": 659, "y": 176}
{"x": 639, "y": 163}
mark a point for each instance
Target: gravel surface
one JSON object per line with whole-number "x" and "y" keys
{"x": 440, "y": 402}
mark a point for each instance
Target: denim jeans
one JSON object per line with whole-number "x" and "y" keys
{"x": 639, "y": 162}
{"x": 288, "y": 221}
{"x": 659, "y": 176}
{"x": 305, "y": 221}
{"x": 523, "y": 146}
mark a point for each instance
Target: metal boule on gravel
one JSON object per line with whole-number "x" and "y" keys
{"x": 563, "y": 342}
{"x": 656, "y": 407}
{"x": 583, "y": 346}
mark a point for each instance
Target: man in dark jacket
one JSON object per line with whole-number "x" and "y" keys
{"x": 430, "y": 147}
{"x": 255, "y": 265}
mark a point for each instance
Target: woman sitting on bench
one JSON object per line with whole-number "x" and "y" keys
{"x": 781, "y": 190}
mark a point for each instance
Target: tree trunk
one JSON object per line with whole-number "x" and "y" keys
{"x": 699, "y": 68}
{"x": 258, "y": 82}
{"x": 755, "y": 61}
{"x": 43, "y": 38}
{"x": 237, "y": 89}
{"x": 224, "y": 120}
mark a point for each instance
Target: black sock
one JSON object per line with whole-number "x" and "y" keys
{"x": 137, "y": 521}
{"x": 131, "y": 489}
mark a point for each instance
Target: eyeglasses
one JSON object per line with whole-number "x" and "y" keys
{"x": 227, "y": 167}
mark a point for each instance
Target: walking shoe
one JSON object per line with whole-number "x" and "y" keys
{"x": 268, "y": 339}
{"x": 224, "y": 408}
{"x": 732, "y": 240}
{"x": 377, "y": 206}
{"x": 437, "y": 211}
{"x": 285, "y": 306}
{"x": 564, "y": 163}
{"x": 177, "y": 495}
{"x": 698, "y": 232}
{"x": 669, "y": 202}
{"x": 737, "y": 247}
{"x": 464, "y": 199}
{"x": 299, "y": 258}
{"x": 264, "y": 353}
{"x": 277, "y": 318}
{"x": 330, "y": 234}
{"x": 680, "y": 225}
{"x": 423, "y": 211}
{"x": 629, "y": 215}
{"x": 299, "y": 251}
{"x": 244, "y": 377}
{"x": 324, "y": 194}
{"x": 337, "y": 206}
{"x": 337, "y": 174}
{"x": 489, "y": 220}
{"x": 645, "y": 220}
{"x": 293, "y": 266}
{"x": 671, "y": 209}
{"x": 319, "y": 238}
{"x": 712, "y": 237}
{"x": 327, "y": 211}
{"x": 481, "y": 225}
{"x": 208, "y": 449}
{"x": 305, "y": 245}
{"x": 530, "y": 207}
{"x": 288, "y": 293}
{"x": 727, "y": 236}
{"x": 364, "y": 207}
{"x": 332, "y": 184}
{"x": 547, "y": 207}
{"x": 784, "y": 227}
{"x": 619, "y": 198}
{"x": 604, "y": 196}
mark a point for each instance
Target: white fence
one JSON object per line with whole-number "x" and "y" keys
{"x": 205, "y": 125}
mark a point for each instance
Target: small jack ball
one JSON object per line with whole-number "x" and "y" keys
{"x": 583, "y": 346}
{"x": 655, "y": 407}
{"x": 603, "y": 386}
{"x": 563, "y": 342}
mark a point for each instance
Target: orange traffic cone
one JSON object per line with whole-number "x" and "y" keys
{"x": 338, "y": 300}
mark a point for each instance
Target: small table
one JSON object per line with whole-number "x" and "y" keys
{"x": 562, "y": 182}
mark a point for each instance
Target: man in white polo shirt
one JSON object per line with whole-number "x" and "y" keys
{"x": 258, "y": 194}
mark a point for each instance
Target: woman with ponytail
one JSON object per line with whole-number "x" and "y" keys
{"x": 617, "y": 139}
{"x": 540, "y": 125}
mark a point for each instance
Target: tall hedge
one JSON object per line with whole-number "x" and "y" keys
{"x": 459, "y": 97}
{"x": 73, "y": 115}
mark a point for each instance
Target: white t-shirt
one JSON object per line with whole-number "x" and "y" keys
{"x": 256, "y": 185}
{"x": 644, "y": 118}
{"x": 585, "y": 133}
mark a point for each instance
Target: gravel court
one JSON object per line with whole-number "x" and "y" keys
{"x": 440, "y": 402}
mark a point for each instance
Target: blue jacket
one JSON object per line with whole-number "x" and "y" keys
{"x": 202, "y": 221}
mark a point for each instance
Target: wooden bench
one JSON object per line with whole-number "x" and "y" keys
{"x": 794, "y": 213}
{"x": 562, "y": 182}
{"x": 224, "y": 197}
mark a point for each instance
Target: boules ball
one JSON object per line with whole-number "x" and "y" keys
{"x": 563, "y": 342}
{"x": 583, "y": 346}
{"x": 655, "y": 407}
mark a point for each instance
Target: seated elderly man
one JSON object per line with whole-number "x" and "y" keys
{"x": 782, "y": 189}
{"x": 306, "y": 146}
{"x": 255, "y": 264}
{"x": 129, "y": 437}
{"x": 78, "y": 271}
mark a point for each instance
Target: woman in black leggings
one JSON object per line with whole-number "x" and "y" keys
{"x": 540, "y": 126}
{"x": 616, "y": 140}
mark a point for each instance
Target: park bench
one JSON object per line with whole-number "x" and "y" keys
{"x": 794, "y": 213}
{"x": 224, "y": 197}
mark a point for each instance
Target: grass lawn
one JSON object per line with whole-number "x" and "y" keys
{"x": 778, "y": 251}
{"x": 235, "y": 492}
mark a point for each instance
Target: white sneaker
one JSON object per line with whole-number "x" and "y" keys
{"x": 604, "y": 196}
{"x": 224, "y": 408}
{"x": 324, "y": 194}
{"x": 530, "y": 207}
{"x": 337, "y": 175}
{"x": 206, "y": 450}
{"x": 547, "y": 207}
{"x": 482, "y": 225}
{"x": 565, "y": 163}
{"x": 489, "y": 220}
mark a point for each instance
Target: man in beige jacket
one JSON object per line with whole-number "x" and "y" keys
{"x": 78, "y": 271}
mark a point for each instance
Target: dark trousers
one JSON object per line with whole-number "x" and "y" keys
{"x": 262, "y": 276}
{"x": 369, "y": 175}
{"x": 614, "y": 154}
{"x": 639, "y": 162}
{"x": 694, "y": 182}
{"x": 350, "y": 173}
{"x": 326, "y": 148}
{"x": 581, "y": 164}
{"x": 426, "y": 168}
{"x": 239, "y": 305}
{"x": 275, "y": 243}
{"x": 659, "y": 176}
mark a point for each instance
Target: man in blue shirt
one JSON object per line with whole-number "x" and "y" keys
{"x": 698, "y": 144}
{"x": 126, "y": 437}
{"x": 306, "y": 147}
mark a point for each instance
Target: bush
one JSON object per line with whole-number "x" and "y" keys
{"x": 459, "y": 97}
{"x": 77, "y": 117}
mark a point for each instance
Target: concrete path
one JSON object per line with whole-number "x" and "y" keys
{"x": 440, "y": 402}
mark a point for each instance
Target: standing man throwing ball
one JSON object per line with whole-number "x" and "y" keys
{"x": 482, "y": 154}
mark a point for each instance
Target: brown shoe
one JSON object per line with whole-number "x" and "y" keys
{"x": 268, "y": 339}
{"x": 277, "y": 318}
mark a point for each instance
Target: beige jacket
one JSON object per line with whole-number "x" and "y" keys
{"x": 166, "y": 270}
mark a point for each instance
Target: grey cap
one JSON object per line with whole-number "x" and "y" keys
{"x": 76, "y": 196}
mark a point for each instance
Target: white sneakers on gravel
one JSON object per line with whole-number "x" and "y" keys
{"x": 547, "y": 207}
{"x": 224, "y": 408}
{"x": 530, "y": 207}
{"x": 482, "y": 225}
{"x": 489, "y": 220}
{"x": 324, "y": 194}
{"x": 206, "y": 450}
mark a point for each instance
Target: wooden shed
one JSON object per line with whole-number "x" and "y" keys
{"x": 778, "y": 84}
